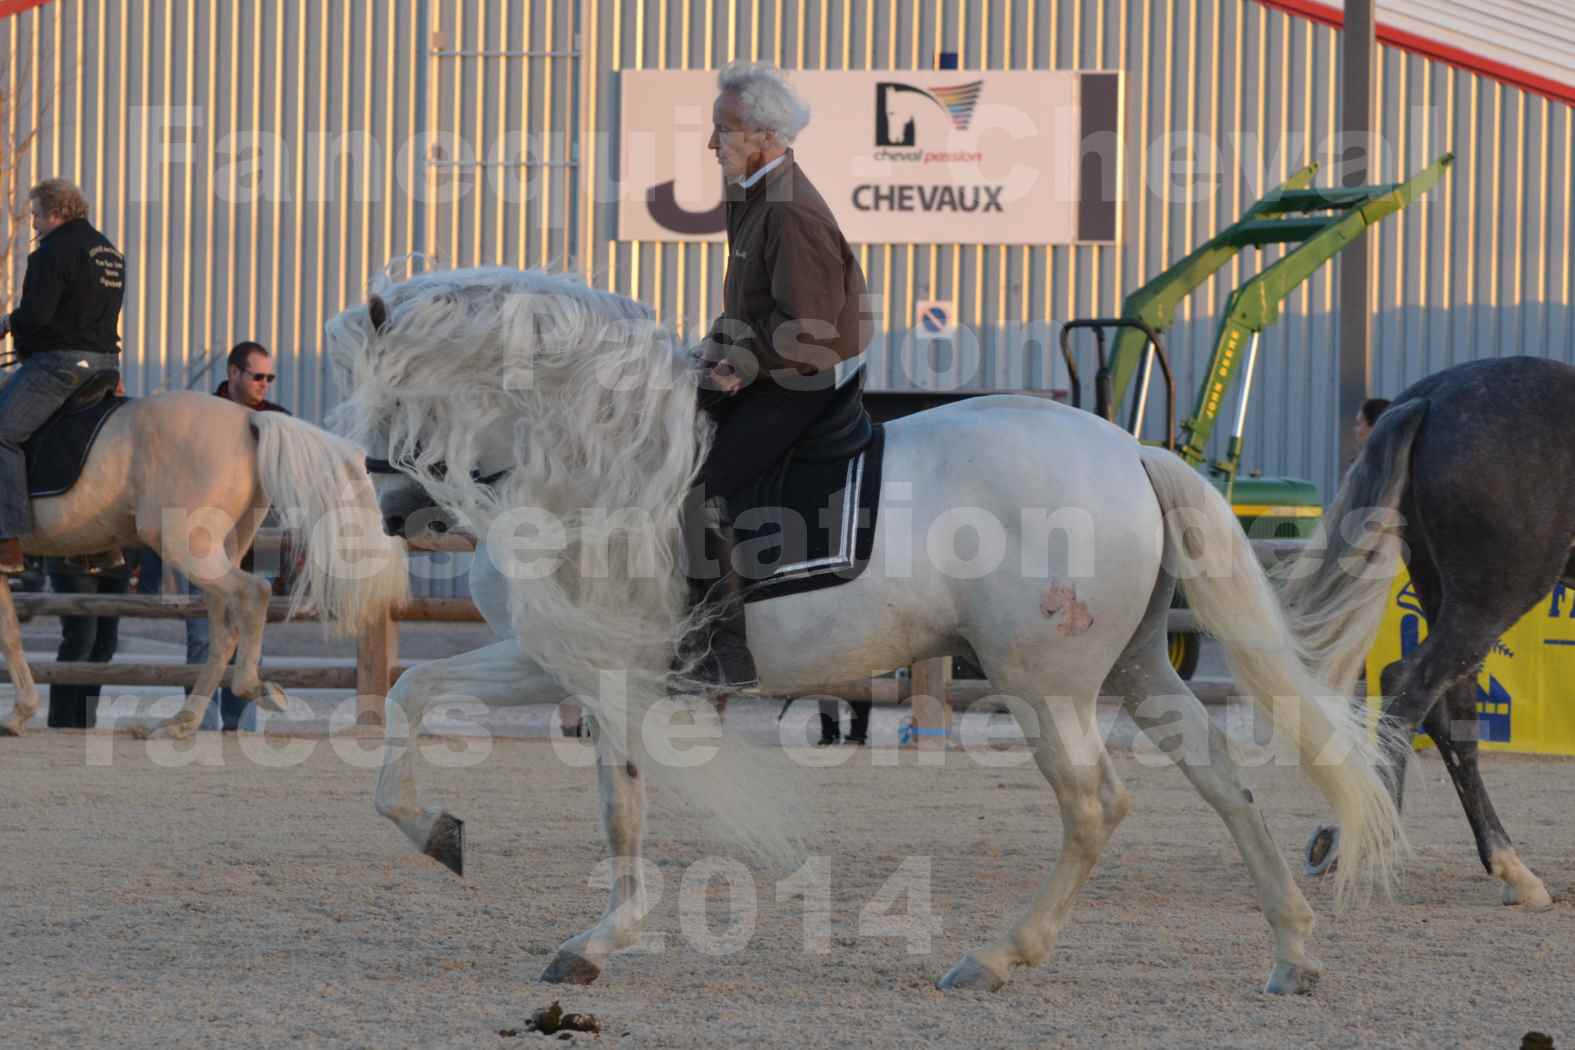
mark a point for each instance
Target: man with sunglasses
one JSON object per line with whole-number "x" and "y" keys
{"x": 250, "y": 378}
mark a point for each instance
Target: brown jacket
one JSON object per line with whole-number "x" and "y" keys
{"x": 794, "y": 294}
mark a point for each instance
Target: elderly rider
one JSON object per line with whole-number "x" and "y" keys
{"x": 792, "y": 301}
{"x": 66, "y": 328}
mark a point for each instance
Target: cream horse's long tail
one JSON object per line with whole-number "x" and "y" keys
{"x": 1232, "y": 597}
{"x": 318, "y": 482}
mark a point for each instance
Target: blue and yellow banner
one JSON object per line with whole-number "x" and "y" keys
{"x": 1526, "y": 689}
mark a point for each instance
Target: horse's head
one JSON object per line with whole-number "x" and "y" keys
{"x": 477, "y": 390}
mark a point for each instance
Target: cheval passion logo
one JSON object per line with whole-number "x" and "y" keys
{"x": 899, "y": 108}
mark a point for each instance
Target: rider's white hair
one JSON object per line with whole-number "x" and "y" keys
{"x": 766, "y": 100}
{"x": 595, "y": 404}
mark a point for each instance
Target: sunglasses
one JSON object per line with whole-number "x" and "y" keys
{"x": 266, "y": 377}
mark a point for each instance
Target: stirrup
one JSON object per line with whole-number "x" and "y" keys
{"x": 98, "y": 563}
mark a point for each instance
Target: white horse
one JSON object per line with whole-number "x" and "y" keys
{"x": 192, "y": 475}
{"x": 586, "y": 404}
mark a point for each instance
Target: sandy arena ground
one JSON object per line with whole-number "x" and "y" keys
{"x": 234, "y": 904}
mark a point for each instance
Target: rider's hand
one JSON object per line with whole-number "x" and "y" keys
{"x": 717, "y": 372}
{"x": 721, "y": 375}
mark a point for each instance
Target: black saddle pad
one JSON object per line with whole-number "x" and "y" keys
{"x": 810, "y": 524}
{"x": 58, "y": 450}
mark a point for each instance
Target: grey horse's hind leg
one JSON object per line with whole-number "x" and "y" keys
{"x": 1453, "y": 726}
{"x": 1442, "y": 672}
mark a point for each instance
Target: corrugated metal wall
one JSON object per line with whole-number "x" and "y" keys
{"x": 303, "y": 145}
{"x": 244, "y": 156}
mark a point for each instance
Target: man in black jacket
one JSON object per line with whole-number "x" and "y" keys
{"x": 66, "y": 328}
{"x": 249, "y": 377}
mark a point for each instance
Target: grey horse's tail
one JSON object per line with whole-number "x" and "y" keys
{"x": 1333, "y": 592}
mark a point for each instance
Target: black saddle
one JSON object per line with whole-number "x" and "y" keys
{"x": 58, "y": 450}
{"x": 810, "y": 523}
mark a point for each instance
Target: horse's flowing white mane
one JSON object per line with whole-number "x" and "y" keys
{"x": 599, "y": 402}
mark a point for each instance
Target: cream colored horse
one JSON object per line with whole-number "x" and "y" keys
{"x": 191, "y": 475}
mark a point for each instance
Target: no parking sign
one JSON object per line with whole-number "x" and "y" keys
{"x": 934, "y": 319}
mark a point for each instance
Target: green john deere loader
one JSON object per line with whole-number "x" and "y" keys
{"x": 1315, "y": 223}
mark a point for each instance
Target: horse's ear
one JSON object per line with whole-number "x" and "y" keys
{"x": 378, "y": 311}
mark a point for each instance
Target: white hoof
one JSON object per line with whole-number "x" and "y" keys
{"x": 1533, "y": 897}
{"x": 1289, "y": 978}
{"x": 969, "y": 975}
{"x": 270, "y": 697}
{"x": 176, "y": 728}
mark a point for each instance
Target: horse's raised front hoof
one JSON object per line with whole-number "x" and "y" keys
{"x": 1533, "y": 898}
{"x": 969, "y": 975}
{"x": 1293, "y": 979}
{"x": 446, "y": 843}
{"x": 11, "y": 727}
{"x": 568, "y": 968}
{"x": 1323, "y": 851}
{"x": 270, "y": 697}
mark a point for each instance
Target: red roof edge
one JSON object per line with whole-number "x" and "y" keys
{"x": 16, "y": 7}
{"x": 1487, "y": 67}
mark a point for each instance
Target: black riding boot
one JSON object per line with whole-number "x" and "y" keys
{"x": 713, "y": 581}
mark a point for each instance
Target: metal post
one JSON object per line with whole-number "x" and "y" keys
{"x": 1356, "y": 126}
{"x": 1246, "y": 388}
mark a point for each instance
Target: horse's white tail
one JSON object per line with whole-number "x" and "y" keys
{"x": 318, "y": 482}
{"x": 1334, "y": 591}
{"x": 1232, "y": 597}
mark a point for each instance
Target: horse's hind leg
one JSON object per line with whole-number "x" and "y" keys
{"x": 1436, "y": 683}
{"x": 1092, "y": 800}
{"x": 580, "y": 959}
{"x": 1168, "y": 712}
{"x": 16, "y": 663}
{"x": 248, "y": 595}
{"x": 221, "y": 643}
{"x": 1452, "y": 725}
{"x": 248, "y": 605}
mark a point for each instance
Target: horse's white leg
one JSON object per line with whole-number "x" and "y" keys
{"x": 580, "y": 959}
{"x": 1165, "y": 709}
{"x": 16, "y": 663}
{"x": 1178, "y": 724}
{"x": 499, "y": 675}
{"x": 1092, "y": 800}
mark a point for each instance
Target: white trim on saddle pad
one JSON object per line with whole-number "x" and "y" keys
{"x": 842, "y": 557}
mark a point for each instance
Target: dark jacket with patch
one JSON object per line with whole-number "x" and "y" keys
{"x": 793, "y": 297}
{"x": 267, "y": 406}
{"x": 72, "y": 293}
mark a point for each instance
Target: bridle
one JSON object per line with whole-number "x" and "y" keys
{"x": 439, "y": 470}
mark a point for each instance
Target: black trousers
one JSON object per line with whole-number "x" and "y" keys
{"x": 83, "y": 638}
{"x": 756, "y": 427}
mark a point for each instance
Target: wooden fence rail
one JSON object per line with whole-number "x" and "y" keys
{"x": 929, "y": 686}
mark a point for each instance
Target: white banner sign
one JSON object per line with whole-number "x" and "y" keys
{"x": 980, "y": 157}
